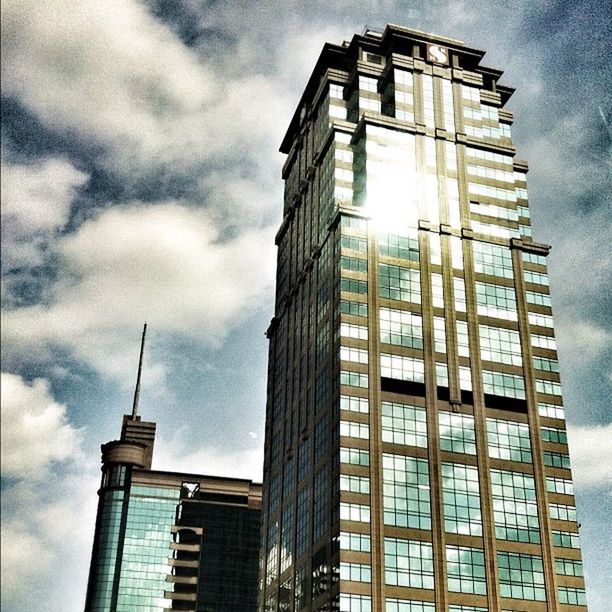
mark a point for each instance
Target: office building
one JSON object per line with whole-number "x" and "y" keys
{"x": 416, "y": 456}
{"x": 167, "y": 540}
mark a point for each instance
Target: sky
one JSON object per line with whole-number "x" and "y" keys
{"x": 141, "y": 181}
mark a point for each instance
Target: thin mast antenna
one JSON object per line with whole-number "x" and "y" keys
{"x": 137, "y": 390}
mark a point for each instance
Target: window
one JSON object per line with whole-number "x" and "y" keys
{"x": 286, "y": 545}
{"x": 534, "y": 259}
{"x": 354, "y": 243}
{"x": 551, "y": 410}
{"x": 505, "y": 385}
{"x": 354, "y": 404}
{"x": 494, "y": 210}
{"x": 561, "y": 512}
{"x": 553, "y": 434}
{"x": 459, "y": 291}
{"x": 571, "y": 596}
{"x": 496, "y": 301}
{"x": 463, "y": 339}
{"x": 320, "y": 507}
{"x": 355, "y": 603}
{"x": 354, "y": 456}
{"x": 404, "y": 424}
{"x": 300, "y": 588}
{"x": 549, "y": 387}
{"x": 545, "y": 342}
{"x": 557, "y": 460}
{"x": 461, "y": 499}
{"x": 536, "y": 278}
{"x": 409, "y": 563}
{"x": 406, "y": 605}
{"x": 497, "y": 193}
{"x": 514, "y": 506}
{"x": 545, "y": 364}
{"x": 539, "y": 299}
{"x": 354, "y": 430}
{"x": 521, "y": 576}
{"x": 353, "y": 264}
{"x": 404, "y": 245}
{"x": 466, "y": 570}
{"x": 359, "y": 309}
{"x": 321, "y": 438}
{"x": 453, "y": 608}
{"x": 428, "y": 100}
{"x": 406, "y": 500}
{"x": 439, "y": 334}
{"x": 356, "y": 572}
{"x": 559, "y": 485}
{"x": 358, "y": 542}
{"x": 400, "y": 283}
{"x": 355, "y": 512}
{"x": 437, "y": 291}
{"x": 565, "y": 539}
{"x": 540, "y": 320}
{"x": 465, "y": 378}
{"x": 493, "y": 229}
{"x": 355, "y": 484}
{"x": 500, "y": 345}
{"x": 354, "y": 379}
{"x": 402, "y": 368}
{"x": 509, "y": 440}
{"x": 302, "y": 520}
{"x": 358, "y": 223}
{"x": 483, "y": 171}
{"x": 401, "y": 328}
{"x": 569, "y": 567}
{"x": 353, "y": 286}
{"x": 356, "y": 355}
{"x": 456, "y": 252}
{"x": 457, "y": 433}
{"x": 349, "y": 330}
{"x": 441, "y": 375}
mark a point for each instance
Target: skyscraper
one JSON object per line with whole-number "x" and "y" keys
{"x": 169, "y": 540}
{"x": 416, "y": 456}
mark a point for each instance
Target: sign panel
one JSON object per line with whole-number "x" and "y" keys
{"x": 437, "y": 54}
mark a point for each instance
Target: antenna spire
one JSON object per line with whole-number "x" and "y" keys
{"x": 137, "y": 390}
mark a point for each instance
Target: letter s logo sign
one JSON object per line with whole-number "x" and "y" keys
{"x": 437, "y": 54}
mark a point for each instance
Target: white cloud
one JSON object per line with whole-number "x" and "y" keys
{"x": 591, "y": 452}
{"x": 48, "y": 506}
{"x": 36, "y": 201}
{"x": 234, "y": 462}
{"x": 164, "y": 263}
{"x": 35, "y": 430}
{"x": 113, "y": 74}
{"x": 47, "y": 534}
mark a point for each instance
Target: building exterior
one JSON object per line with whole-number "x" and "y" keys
{"x": 170, "y": 541}
{"x": 416, "y": 455}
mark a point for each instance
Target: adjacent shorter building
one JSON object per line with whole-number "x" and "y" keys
{"x": 168, "y": 540}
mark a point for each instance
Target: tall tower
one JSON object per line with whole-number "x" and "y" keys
{"x": 416, "y": 455}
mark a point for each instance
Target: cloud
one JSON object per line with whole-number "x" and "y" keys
{"x": 591, "y": 452}
{"x": 236, "y": 462}
{"x": 111, "y": 74}
{"x": 35, "y": 430}
{"x": 47, "y": 534}
{"x": 164, "y": 263}
{"x": 36, "y": 202}
{"x": 48, "y": 501}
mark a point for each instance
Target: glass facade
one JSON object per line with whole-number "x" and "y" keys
{"x": 163, "y": 543}
{"x": 413, "y": 322}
